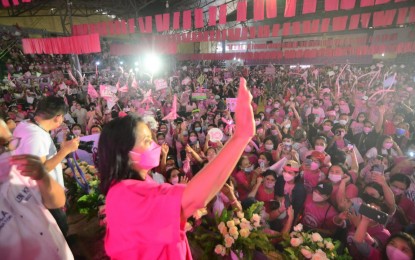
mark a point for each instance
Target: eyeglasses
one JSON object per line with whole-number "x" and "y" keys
{"x": 10, "y": 145}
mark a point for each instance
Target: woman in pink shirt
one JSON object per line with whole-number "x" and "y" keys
{"x": 146, "y": 220}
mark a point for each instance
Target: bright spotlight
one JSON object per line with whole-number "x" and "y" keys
{"x": 121, "y": 62}
{"x": 383, "y": 54}
{"x": 136, "y": 69}
{"x": 97, "y": 63}
{"x": 136, "y": 63}
{"x": 152, "y": 62}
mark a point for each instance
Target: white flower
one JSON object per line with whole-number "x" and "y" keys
{"x": 298, "y": 228}
{"x": 244, "y": 232}
{"x": 316, "y": 237}
{"x": 319, "y": 255}
{"x": 329, "y": 245}
{"x": 229, "y": 241}
{"x": 200, "y": 213}
{"x": 306, "y": 252}
{"x": 187, "y": 227}
{"x": 245, "y": 225}
{"x": 240, "y": 214}
{"x": 230, "y": 223}
{"x": 233, "y": 231}
{"x": 256, "y": 218}
{"x": 220, "y": 250}
{"x": 295, "y": 242}
{"x": 237, "y": 221}
{"x": 222, "y": 228}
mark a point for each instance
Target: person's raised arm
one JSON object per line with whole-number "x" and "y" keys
{"x": 379, "y": 123}
{"x": 207, "y": 183}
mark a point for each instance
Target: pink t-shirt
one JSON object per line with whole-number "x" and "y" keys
{"x": 351, "y": 192}
{"x": 318, "y": 217}
{"x": 143, "y": 221}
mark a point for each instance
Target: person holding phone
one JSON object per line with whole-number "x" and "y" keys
{"x": 28, "y": 229}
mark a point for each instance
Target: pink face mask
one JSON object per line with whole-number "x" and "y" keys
{"x": 148, "y": 159}
{"x": 314, "y": 166}
{"x": 319, "y": 148}
{"x": 269, "y": 184}
{"x": 387, "y": 146}
{"x": 327, "y": 127}
{"x": 175, "y": 180}
{"x": 367, "y": 130}
{"x": 394, "y": 253}
{"x": 193, "y": 139}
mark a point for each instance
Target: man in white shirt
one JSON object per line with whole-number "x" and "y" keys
{"x": 36, "y": 140}
{"x": 27, "y": 228}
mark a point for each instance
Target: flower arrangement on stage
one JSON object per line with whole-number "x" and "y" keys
{"x": 84, "y": 194}
{"x": 233, "y": 235}
{"x": 311, "y": 245}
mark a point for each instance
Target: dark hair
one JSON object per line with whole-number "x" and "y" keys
{"x": 344, "y": 170}
{"x": 269, "y": 172}
{"x": 96, "y": 126}
{"x": 168, "y": 173}
{"x": 268, "y": 155}
{"x": 76, "y": 125}
{"x": 51, "y": 106}
{"x": 115, "y": 142}
{"x": 401, "y": 178}
{"x": 404, "y": 236}
{"x": 379, "y": 145}
{"x": 375, "y": 186}
{"x": 238, "y": 165}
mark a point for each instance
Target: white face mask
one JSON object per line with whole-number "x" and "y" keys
{"x": 317, "y": 197}
{"x": 76, "y": 132}
{"x": 343, "y": 122}
{"x": 335, "y": 178}
{"x": 249, "y": 169}
{"x": 287, "y": 176}
{"x": 269, "y": 147}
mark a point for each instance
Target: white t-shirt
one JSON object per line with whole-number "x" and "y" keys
{"x": 36, "y": 141}
{"x": 27, "y": 229}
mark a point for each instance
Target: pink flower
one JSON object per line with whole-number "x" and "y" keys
{"x": 244, "y": 232}
{"x": 220, "y": 250}
{"x": 233, "y": 231}
{"x": 256, "y": 218}
{"x": 229, "y": 241}
{"x": 306, "y": 252}
{"x": 223, "y": 229}
{"x": 295, "y": 242}
{"x": 319, "y": 255}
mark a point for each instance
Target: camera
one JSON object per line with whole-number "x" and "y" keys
{"x": 86, "y": 146}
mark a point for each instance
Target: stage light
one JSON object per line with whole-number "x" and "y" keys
{"x": 152, "y": 62}
{"x": 121, "y": 62}
{"x": 97, "y": 63}
{"x": 234, "y": 58}
{"x": 383, "y": 54}
{"x": 136, "y": 63}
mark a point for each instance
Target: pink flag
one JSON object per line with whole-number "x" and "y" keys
{"x": 123, "y": 89}
{"x": 134, "y": 84}
{"x": 92, "y": 92}
{"x": 173, "y": 113}
{"x": 9, "y": 77}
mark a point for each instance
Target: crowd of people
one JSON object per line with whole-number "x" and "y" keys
{"x": 328, "y": 139}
